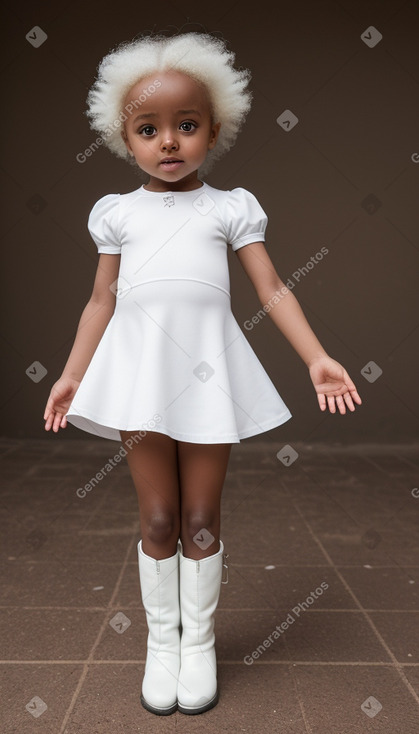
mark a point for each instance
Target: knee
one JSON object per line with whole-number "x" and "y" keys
{"x": 195, "y": 520}
{"x": 161, "y": 527}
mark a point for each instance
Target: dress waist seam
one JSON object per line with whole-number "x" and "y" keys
{"x": 157, "y": 280}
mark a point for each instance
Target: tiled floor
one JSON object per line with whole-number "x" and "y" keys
{"x": 345, "y": 662}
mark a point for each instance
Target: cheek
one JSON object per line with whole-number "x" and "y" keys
{"x": 142, "y": 144}
{"x": 200, "y": 140}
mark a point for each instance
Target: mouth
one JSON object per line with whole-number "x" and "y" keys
{"x": 170, "y": 164}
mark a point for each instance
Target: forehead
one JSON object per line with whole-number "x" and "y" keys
{"x": 176, "y": 88}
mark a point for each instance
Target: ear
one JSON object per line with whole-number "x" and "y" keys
{"x": 126, "y": 141}
{"x": 215, "y": 129}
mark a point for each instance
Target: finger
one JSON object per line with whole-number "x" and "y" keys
{"x": 356, "y": 396}
{"x": 332, "y": 406}
{"x": 341, "y": 404}
{"x": 49, "y": 407}
{"x": 348, "y": 401}
{"x": 57, "y": 420}
{"x": 352, "y": 389}
{"x": 322, "y": 401}
{"x": 49, "y": 420}
{"x": 350, "y": 384}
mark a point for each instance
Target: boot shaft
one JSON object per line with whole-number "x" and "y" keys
{"x": 159, "y": 582}
{"x": 199, "y": 585}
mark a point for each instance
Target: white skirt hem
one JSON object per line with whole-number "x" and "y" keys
{"x": 89, "y": 423}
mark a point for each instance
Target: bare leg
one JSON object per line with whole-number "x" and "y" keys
{"x": 153, "y": 466}
{"x": 202, "y": 471}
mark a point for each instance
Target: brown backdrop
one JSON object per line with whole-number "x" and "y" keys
{"x": 345, "y": 178}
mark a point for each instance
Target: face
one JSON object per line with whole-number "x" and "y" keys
{"x": 174, "y": 122}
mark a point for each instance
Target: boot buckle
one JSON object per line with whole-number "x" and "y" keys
{"x": 225, "y": 566}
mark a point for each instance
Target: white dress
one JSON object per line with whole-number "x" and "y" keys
{"x": 173, "y": 358}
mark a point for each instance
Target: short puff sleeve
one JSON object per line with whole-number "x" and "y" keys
{"x": 103, "y": 224}
{"x": 245, "y": 219}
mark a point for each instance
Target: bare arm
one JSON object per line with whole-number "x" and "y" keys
{"x": 93, "y": 322}
{"x": 289, "y": 317}
{"x": 329, "y": 378}
{"x": 94, "y": 319}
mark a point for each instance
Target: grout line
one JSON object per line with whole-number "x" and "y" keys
{"x": 397, "y": 665}
{"x": 333, "y": 456}
{"x": 351, "y": 663}
{"x": 103, "y": 626}
{"x": 300, "y": 699}
{"x": 33, "y": 562}
{"x": 346, "y": 610}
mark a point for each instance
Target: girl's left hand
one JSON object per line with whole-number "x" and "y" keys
{"x": 332, "y": 381}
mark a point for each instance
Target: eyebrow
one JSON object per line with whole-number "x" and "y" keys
{"x": 145, "y": 115}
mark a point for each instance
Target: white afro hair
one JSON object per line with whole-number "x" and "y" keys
{"x": 201, "y": 56}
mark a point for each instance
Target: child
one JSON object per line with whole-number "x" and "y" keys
{"x": 159, "y": 361}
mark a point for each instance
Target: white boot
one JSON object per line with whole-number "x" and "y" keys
{"x": 159, "y": 581}
{"x": 199, "y": 586}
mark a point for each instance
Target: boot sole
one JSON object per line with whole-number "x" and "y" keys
{"x": 200, "y": 709}
{"x": 158, "y": 711}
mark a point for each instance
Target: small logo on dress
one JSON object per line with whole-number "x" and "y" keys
{"x": 169, "y": 200}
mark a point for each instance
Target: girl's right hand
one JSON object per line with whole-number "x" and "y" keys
{"x": 58, "y": 403}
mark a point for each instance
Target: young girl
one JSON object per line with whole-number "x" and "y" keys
{"x": 159, "y": 361}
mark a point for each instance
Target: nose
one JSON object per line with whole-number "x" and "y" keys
{"x": 168, "y": 142}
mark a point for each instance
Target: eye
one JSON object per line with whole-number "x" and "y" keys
{"x": 187, "y": 129}
{"x": 147, "y": 130}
